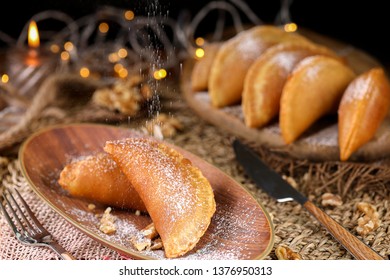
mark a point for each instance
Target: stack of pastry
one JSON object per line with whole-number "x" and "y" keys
{"x": 147, "y": 175}
{"x": 275, "y": 74}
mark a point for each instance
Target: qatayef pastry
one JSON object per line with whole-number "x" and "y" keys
{"x": 234, "y": 58}
{"x": 313, "y": 90}
{"x": 99, "y": 179}
{"x": 201, "y": 71}
{"x": 363, "y": 107}
{"x": 178, "y": 198}
{"x": 266, "y": 77}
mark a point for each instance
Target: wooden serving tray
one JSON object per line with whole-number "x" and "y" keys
{"x": 239, "y": 229}
{"x": 320, "y": 143}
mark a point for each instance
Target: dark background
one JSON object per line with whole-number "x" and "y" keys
{"x": 363, "y": 24}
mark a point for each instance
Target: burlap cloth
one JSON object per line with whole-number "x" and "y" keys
{"x": 293, "y": 226}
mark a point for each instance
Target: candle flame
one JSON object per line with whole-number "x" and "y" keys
{"x": 33, "y": 35}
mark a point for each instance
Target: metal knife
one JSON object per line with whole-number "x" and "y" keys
{"x": 271, "y": 182}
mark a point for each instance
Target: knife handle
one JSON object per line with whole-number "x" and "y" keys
{"x": 350, "y": 242}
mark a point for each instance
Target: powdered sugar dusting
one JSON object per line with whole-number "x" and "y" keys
{"x": 249, "y": 48}
{"x": 312, "y": 73}
{"x": 324, "y": 137}
{"x": 234, "y": 231}
{"x": 357, "y": 90}
{"x": 227, "y": 238}
{"x": 174, "y": 185}
{"x": 287, "y": 60}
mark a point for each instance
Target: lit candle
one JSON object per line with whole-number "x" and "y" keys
{"x": 27, "y": 67}
{"x": 32, "y": 58}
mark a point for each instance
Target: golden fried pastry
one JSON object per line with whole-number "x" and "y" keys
{"x": 99, "y": 179}
{"x": 179, "y": 199}
{"x": 363, "y": 107}
{"x": 266, "y": 77}
{"x": 234, "y": 58}
{"x": 313, "y": 90}
{"x": 201, "y": 71}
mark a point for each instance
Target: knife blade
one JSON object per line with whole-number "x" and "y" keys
{"x": 272, "y": 183}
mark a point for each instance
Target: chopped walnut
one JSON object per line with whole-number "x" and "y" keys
{"x": 285, "y": 253}
{"x": 306, "y": 177}
{"x": 140, "y": 242}
{"x": 330, "y": 199}
{"x": 107, "y": 222}
{"x": 91, "y": 206}
{"x": 125, "y": 96}
{"x": 369, "y": 221}
{"x": 156, "y": 244}
{"x": 163, "y": 126}
{"x": 291, "y": 181}
{"x": 146, "y": 239}
{"x": 149, "y": 231}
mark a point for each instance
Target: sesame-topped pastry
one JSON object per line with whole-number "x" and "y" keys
{"x": 266, "y": 77}
{"x": 201, "y": 70}
{"x": 99, "y": 179}
{"x": 363, "y": 107}
{"x": 313, "y": 90}
{"x": 178, "y": 198}
{"x": 234, "y": 58}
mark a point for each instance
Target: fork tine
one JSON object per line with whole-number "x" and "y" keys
{"x": 20, "y": 211}
{"x": 14, "y": 214}
{"x": 7, "y": 216}
{"x": 36, "y": 234}
{"x": 30, "y": 213}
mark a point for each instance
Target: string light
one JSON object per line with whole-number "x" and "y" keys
{"x": 199, "y": 53}
{"x": 123, "y": 73}
{"x": 113, "y": 57}
{"x": 103, "y": 27}
{"x": 122, "y": 53}
{"x": 4, "y": 78}
{"x": 290, "y": 27}
{"x": 199, "y": 41}
{"x": 160, "y": 74}
{"x": 65, "y": 56}
{"x": 78, "y": 38}
{"x": 68, "y": 46}
{"x": 129, "y": 15}
{"x": 118, "y": 67}
{"x": 84, "y": 72}
{"x": 54, "y": 48}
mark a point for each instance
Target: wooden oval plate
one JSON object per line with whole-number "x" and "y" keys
{"x": 320, "y": 142}
{"x": 240, "y": 228}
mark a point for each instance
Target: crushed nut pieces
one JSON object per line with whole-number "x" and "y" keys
{"x": 330, "y": 199}
{"x": 369, "y": 221}
{"x": 107, "y": 222}
{"x": 125, "y": 96}
{"x": 291, "y": 181}
{"x": 285, "y": 253}
{"x": 163, "y": 126}
{"x": 147, "y": 239}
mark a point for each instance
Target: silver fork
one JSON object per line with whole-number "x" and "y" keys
{"x": 28, "y": 230}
